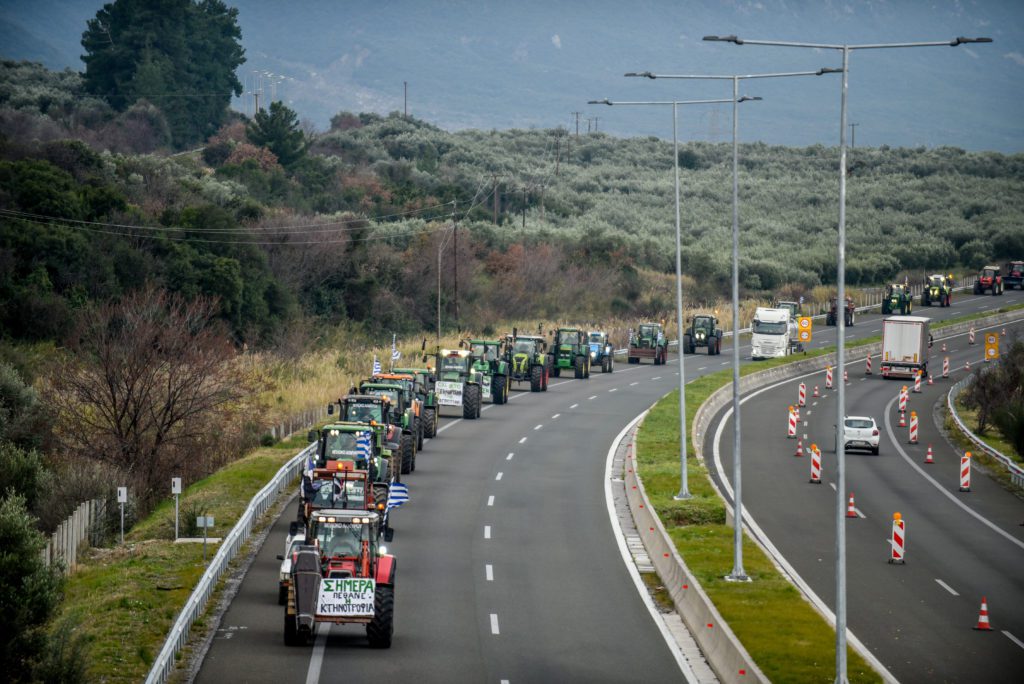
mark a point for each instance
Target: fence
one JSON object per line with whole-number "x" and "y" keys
{"x": 163, "y": 664}
{"x": 63, "y": 544}
{"x": 298, "y": 421}
{"x": 1016, "y": 472}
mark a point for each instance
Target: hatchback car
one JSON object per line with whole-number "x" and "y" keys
{"x": 860, "y": 432}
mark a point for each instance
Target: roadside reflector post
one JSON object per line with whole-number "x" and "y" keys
{"x": 899, "y": 539}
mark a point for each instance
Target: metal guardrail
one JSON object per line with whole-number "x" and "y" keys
{"x": 163, "y": 664}
{"x": 1016, "y": 471}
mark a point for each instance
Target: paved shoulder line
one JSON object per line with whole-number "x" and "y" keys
{"x": 627, "y": 558}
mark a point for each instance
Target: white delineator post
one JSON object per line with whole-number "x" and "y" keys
{"x": 913, "y": 427}
{"x": 791, "y": 429}
{"x": 828, "y": 377}
{"x": 815, "y": 464}
{"x": 965, "y": 472}
{"x": 802, "y": 395}
{"x": 899, "y": 539}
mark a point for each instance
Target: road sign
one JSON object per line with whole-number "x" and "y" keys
{"x": 804, "y": 333}
{"x": 175, "y": 485}
{"x": 991, "y": 346}
{"x": 122, "y": 495}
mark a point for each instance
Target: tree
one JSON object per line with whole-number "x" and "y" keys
{"x": 29, "y": 591}
{"x": 151, "y": 386}
{"x": 278, "y": 130}
{"x": 180, "y": 55}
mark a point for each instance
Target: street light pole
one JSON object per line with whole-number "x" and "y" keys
{"x": 440, "y": 251}
{"x": 684, "y": 487}
{"x": 738, "y": 574}
{"x": 841, "y": 666}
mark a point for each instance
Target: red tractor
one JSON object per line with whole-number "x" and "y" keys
{"x": 343, "y": 576}
{"x": 1014, "y": 276}
{"x": 989, "y": 279}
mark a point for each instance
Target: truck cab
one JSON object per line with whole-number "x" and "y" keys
{"x": 772, "y": 333}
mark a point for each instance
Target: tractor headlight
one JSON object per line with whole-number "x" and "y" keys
{"x": 593, "y": 354}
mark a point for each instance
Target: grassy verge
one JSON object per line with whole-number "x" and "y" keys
{"x": 124, "y": 600}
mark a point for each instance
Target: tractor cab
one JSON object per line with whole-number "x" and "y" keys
{"x": 526, "y": 360}
{"x": 485, "y": 351}
{"x": 897, "y": 298}
{"x": 704, "y": 325}
{"x": 453, "y": 364}
{"x": 647, "y": 335}
{"x": 792, "y": 307}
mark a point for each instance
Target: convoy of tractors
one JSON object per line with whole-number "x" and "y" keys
{"x": 336, "y": 568}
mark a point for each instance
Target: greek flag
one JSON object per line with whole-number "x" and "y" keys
{"x": 376, "y": 365}
{"x": 395, "y": 354}
{"x": 363, "y": 446}
{"x": 398, "y": 494}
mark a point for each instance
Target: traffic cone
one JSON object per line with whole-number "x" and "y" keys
{"x": 903, "y": 419}
{"x": 930, "y": 381}
{"x": 799, "y": 447}
{"x": 983, "y": 617}
{"x": 967, "y": 365}
{"x": 928, "y": 457}
{"x": 943, "y": 346}
{"x": 816, "y": 391}
{"x": 846, "y": 377}
{"x": 1004, "y": 332}
{"x": 851, "y": 512}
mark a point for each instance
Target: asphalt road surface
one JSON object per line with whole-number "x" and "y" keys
{"x": 916, "y": 618}
{"x": 508, "y": 569}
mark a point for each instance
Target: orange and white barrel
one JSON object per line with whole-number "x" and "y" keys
{"x": 913, "y": 427}
{"x": 965, "y": 472}
{"x": 802, "y": 395}
{"x": 791, "y": 430}
{"x": 899, "y": 539}
{"x": 815, "y": 464}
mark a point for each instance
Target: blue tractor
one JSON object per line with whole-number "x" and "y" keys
{"x": 601, "y": 350}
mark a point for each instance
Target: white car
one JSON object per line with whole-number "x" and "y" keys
{"x": 860, "y": 432}
{"x": 296, "y": 538}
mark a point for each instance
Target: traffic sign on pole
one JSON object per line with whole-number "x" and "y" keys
{"x": 991, "y": 346}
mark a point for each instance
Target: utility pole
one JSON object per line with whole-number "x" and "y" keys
{"x": 455, "y": 238}
{"x": 558, "y": 154}
{"x": 256, "y": 95}
{"x": 853, "y": 135}
{"x": 405, "y": 88}
{"x": 577, "y": 115}
{"x": 595, "y": 123}
{"x": 496, "y": 200}
{"x": 524, "y": 207}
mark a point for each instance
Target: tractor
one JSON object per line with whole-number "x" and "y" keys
{"x": 601, "y": 350}
{"x": 427, "y": 396}
{"x": 703, "y": 332}
{"x": 458, "y": 383}
{"x": 377, "y": 410}
{"x": 897, "y": 298}
{"x": 402, "y": 414}
{"x": 489, "y": 362}
{"x": 340, "y": 485}
{"x": 343, "y": 576}
{"x": 849, "y": 313}
{"x": 527, "y": 360}
{"x": 1014, "y": 277}
{"x": 648, "y": 343}
{"x": 989, "y": 279}
{"x": 938, "y": 289}
{"x": 792, "y": 307}
{"x": 410, "y": 397}
{"x": 569, "y": 351}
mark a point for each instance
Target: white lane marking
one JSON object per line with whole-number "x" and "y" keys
{"x": 700, "y": 369}
{"x": 614, "y": 389}
{"x": 510, "y": 455}
{"x": 538, "y": 427}
{"x": 627, "y": 557}
{"x": 633, "y": 383}
{"x": 592, "y": 397}
{"x": 490, "y": 500}
{"x": 555, "y": 416}
{"x": 490, "y": 572}
{"x": 574, "y": 406}
{"x": 724, "y": 363}
{"x": 448, "y": 425}
{"x": 903, "y": 454}
{"x": 656, "y": 377}
{"x": 317, "y": 659}
{"x": 522, "y": 440}
{"x": 813, "y": 403}
{"x": 494, "y": 624}
{"x": 564, "y": 382}
{"x": 498, "y": 476}
{"x": 487, "y": 531}
{"x": 487, "y": 407}
{"x": 946, "y": 587}
{"x": 1013, "y": 639}
{"x": 504, "y": 681}
{"x": 876, "y": 330}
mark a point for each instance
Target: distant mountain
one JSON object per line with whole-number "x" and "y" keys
{"x": 530, "y": 63}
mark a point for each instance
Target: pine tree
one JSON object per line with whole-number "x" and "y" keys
{"x": 278, "y": 130}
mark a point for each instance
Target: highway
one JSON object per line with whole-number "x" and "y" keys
{"x": 915, "y": 618}
{"x": 508, "y": 569}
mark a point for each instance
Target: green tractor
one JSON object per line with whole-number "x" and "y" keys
{"x": 527, "y": 360}
{"x": 648, "y": 342}
{"x": 458, "y": 383}
{"x": 375, "y": 412}
{"x": 410, "y": 398}
{"x": 429, "y": 414}
{"x": 489, "y": 362}
{"x": 937, "y": 289}
{"x": 703, "y": 332}
{"x": 402, "y": 414}
{"x": 570, "y": 351}
{"x": 897, "y": 298}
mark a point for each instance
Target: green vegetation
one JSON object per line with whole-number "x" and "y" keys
{"x": 785, "y": 636}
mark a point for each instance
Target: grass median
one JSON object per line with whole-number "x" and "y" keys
{"x": 123, "y": 600}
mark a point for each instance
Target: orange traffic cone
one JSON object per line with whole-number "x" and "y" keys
{"x": 928, "y": 456}
{"x": 903, "y": 419}
{"x": 799, "y": 447}
{"x": 930, "y": 381}
{"x": 851, "y": 512}
{"x": 967, "y": 365}
{"x": 816, "y": 391}
{"x": 983, "y": 617}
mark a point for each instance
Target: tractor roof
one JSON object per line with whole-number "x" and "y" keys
{"x": 394, "y": 375}
{"x": 990, "y": 268}
{"x": 345, "y": 426}
{"x": 381, "y": 385}
{"x": 455, "y": 352}
{"x": 539, "y": 338}
{"x": 494, "y": 342}
{"x": 365, "y": 398}
{"x": 330, "y": 515}
{"x": 411, "y": 371}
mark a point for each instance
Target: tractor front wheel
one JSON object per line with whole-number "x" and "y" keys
{"x": 536, "y": 379}
{"x": 686, "y": 344}
{"x": 499, "y": 389}
{"x": 382, "y": 626}
{"x": 408, "y": 447}
{"x": 471, "y": 402}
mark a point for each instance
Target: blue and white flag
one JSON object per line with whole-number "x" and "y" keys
{"x": 376, "y": 365}
{"x": 395, "y": 354}
{"x": 363, "y": 445}
{"x": 398, "y": 494}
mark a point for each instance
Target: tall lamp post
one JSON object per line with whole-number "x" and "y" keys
{"x": 684, "y": 488}
{"x": 738, "y": 574}
{"x": 841, "y": 669}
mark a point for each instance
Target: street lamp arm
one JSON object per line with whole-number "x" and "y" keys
{"x": 605, "y": 101}
{"x": 961, "y": 40}
{"x": 721, "y": 77}
{"x": 665, "y": 102}
{"x": 642, "y": 74}
{"x": 828, "y": 46}
{"x": 725, "y": 39}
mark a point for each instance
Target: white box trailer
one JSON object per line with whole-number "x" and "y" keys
{"x": 905, "y": 342}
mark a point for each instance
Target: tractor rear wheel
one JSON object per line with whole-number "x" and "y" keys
{"x": 686, "y": 344}
{"x": 419, "y": 433}
{"x": 586, "y": 368}
{"x": 291, "y": 631}
{"x": 578, "y": 368}
{"x": 382, "y": 626}
{"x": 536, "y": 379}
{"x": 471, "y": 402}
{"x": 430, "y": 422}
{"x": 499, "y": 392}
{"x": 408, "y": 446}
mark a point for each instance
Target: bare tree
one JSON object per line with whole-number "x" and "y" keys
{"x": 152, "y": 386}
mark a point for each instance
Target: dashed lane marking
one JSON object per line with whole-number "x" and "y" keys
{"x": 498, "y": 477}
{"x": 490, "y": 500}
{"x": 591, "y": 398}
{"x": 946, "y": 587}
{"x": 555, "y": 416}
{"x": 1013, "y": 639}
{"x": 522, "y": 440}
{"x": 538, "y": 427}
{"x": 657, "y": 377}
{"x": 490, "y": 572}
{"x": 633, "y": 383}
{"x": 487, "y": 531}
{"x": 510, "y": 455}
{"x": 494, "y": 624}
{"x": 614, "y": 389}
{"x": 574, "y": 406}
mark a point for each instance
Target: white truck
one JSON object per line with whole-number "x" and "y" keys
{"x": 905, "y": 343}
{"x": 773, "y": 332}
